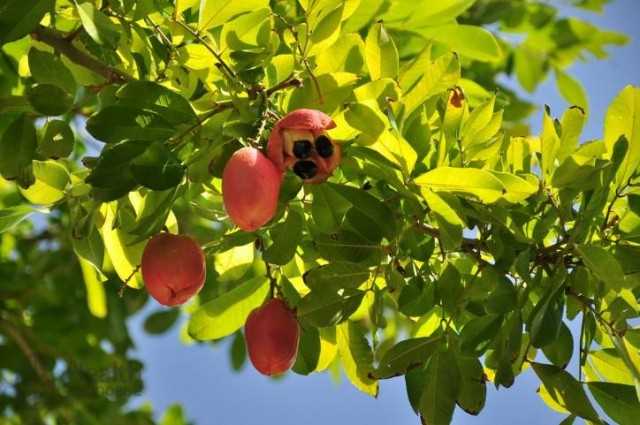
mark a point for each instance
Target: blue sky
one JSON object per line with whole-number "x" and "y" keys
{"x": 200, "y": 377}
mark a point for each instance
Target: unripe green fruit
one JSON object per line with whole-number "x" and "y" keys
{"x": 250, "y": 188}
{"x": 272, "y": 334}
{"x": 173, "y": 268}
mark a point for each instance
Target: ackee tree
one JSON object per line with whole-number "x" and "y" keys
{"x": 336, "y": 185}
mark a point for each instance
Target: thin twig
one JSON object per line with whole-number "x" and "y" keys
{"x": 62, "y": 45}
{"x": 31, "y": 356}
{"x": 198, "y": 37}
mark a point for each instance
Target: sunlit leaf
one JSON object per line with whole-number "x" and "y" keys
{"x": 227, "y": 313}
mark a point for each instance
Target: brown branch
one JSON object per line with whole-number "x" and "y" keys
{"x": 31, "y": 356}
{"x": 65, "y": 46}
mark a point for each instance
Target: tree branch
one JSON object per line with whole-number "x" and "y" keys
{"x": 62, "y": 44}
{"x": 31, "y": 356}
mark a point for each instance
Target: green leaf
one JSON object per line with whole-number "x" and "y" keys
{"x": 427, "y": 77}
{"x": 327, "y": 96}
{"x": 325, "y": 307}
{"x": 227, "y": 313}
{"x": 308, "y": 351}
{"x": 160, "y": 321}
{"x": 357, "y": 357}
{"x": 545, "y": 321}
{"x": 17, "y": 147}
{"x": 51, "y": 179}
{"x": 450, "y": 223}
{"x": 549, "y": 145}
{"x": 115, "y": 123}
{"x": 406, "y": 355}
{"x": 112, "y": 169}
{"x": 216, "y": 12}
{"x": 618, "y": 401}
{"x": 412, "y": 15}
{"x": 517, "y": 189}
{"x": 479, "y": 333}
{"x": 473, "y": 388}
{"x": 530, "y": 66}
{"x": 441, "y": 389}
{"x": 90, "y": 248}
{"x": 367, "y": 118}
{"x": 238, "y": 352}
{"x": 58, "y": 140}
{"x": 603, "y": 265}
{"x": 49, "y": 99}
{"x": 346, "y": 54}
{"x": 154, "y": 214}
{"x": 346, "y": 246}
{"x": 623, "y": 118}
{"x": 368, "y": 205}
{"x": 100, "y": 28}
{"x": 481, "y": 184}
{"x": 572, "y": 123}
{"x": 47, "y": 68}
{"x": 124, "y": 256}
{"x": 94, "y": 285}
{"x": 335, "y": 276}
{"x": 157, "y": 168}
{"x": 479, "y": 118}
{"x": 174, "y": 415}
{"x": 566, "y": 391}
{"x": 559, "y": 352}
{"x": 20, "y": 17}
{"x": 11, "y": 216}
{"x": 380, "y": 53}
{"x": 610, "y": 366}
{"x": 286, "y": 237}
{"x": 328, "y": 207}
{"x": 469, "y": 40}
{"x": 572, "y": 90}
{"x": 148, "y": 95}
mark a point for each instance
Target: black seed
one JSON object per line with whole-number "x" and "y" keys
{"x": 305, "y": 169}
{"x": 324, "y": 147}
{"x": 302, "y": 149}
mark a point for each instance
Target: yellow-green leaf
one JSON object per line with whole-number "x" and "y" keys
{"x": 481, "y": 184}
{"x": 381, "y": 53}
{"x": 93, "y": 282}
{"x": 356, "y": 356}
{"x": 227, "y": 313}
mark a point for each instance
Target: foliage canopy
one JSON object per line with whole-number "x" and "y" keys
{"x": 451, "y": 248}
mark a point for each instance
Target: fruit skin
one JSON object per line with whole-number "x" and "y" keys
{"x": 173, "y": 268}
{"x": 302, "y": 124}
{"x": 250, "y": 188}
{"x": 272, "y": 334}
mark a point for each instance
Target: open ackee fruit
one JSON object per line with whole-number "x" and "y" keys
{"x": 299, "y": 142}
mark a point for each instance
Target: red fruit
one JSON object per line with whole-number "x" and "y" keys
{"x": 299, "y": 142}
{"x": 272, "y": 334}
{"x": 173, "y": 268}
{"x": 250, "y": 188}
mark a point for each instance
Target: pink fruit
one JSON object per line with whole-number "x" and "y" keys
{"x": 173, "y": 268}
{"x": 250, "y": 188}
{"x": 272, "y": 334}
{"x": 299, "y": 142}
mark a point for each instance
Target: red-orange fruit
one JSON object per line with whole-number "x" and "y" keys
{"x": 250, "y": 188}
{"x": 173, "y": 268}
{"x": 272, "y": 334}
{"x": 299, "y": 141}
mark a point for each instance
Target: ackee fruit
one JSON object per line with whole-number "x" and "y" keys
{"x": 250, "y": 188}
{"x": 272, "y": 334}
{"x": 173, "y": 268}
{"x": 299, "y": 142}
